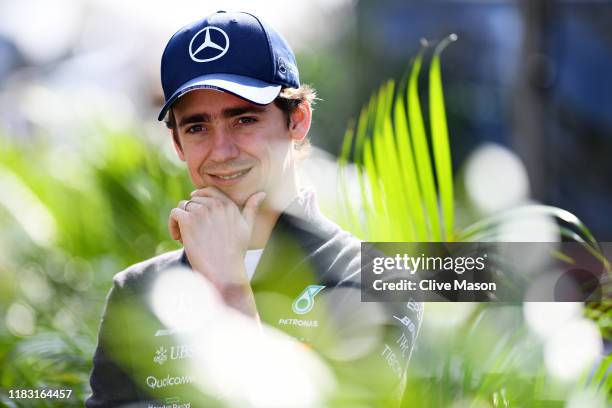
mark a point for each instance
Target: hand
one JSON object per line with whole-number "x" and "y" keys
{"x": 216, "y": 235}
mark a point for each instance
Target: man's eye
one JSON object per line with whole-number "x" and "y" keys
{"x": 247, "y": 119}
{"x": 195, "y": 129}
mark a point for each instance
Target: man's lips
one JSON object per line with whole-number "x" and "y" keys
{"x": 227, "y": 176}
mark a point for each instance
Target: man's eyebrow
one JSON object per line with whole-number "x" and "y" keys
{"x": 227, "y": 113}
{"x": 195, "y": 118}
{"x": 241, "y": 110}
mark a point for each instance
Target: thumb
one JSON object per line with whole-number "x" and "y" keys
{"x": 252, "y": 206}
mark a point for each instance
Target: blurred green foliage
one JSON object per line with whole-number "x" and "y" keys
{"x": 72, "y": 215}
{"x": 406, "y": 193}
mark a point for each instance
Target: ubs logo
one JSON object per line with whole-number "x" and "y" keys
{"x": 176, "y": 353}
{"x": 161, "y": 355}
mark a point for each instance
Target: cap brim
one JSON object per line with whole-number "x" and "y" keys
{"x": 253, "y": 90}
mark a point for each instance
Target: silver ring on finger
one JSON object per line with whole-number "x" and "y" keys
{"x": 186, "y": 206}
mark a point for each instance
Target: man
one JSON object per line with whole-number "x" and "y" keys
{"x": 239, "y": 120}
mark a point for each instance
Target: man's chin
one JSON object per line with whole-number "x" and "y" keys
{"x": 239, "y": 198}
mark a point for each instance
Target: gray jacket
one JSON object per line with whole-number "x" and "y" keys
{"x": 312, "y": 269}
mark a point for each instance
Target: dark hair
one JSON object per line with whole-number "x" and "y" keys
{"x": 287, "y": 101}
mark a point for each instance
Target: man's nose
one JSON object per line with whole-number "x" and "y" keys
{"x": 224, "y": 147}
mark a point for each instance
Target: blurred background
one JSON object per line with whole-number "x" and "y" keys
{"x": 88, "y": 175}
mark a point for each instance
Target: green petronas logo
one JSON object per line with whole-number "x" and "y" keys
{"x": 305, "y": 301}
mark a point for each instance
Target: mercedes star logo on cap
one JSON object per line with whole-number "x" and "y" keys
{"x": 220, "y": 47}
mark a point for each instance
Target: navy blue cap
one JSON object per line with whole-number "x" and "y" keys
{"x": 231, "y": 52}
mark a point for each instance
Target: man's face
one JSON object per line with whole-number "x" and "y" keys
{"x": 227, "y": 142}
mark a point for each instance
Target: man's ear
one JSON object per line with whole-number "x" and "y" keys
{"x": 177, "y": 145}
{"x": 299, "y": 125}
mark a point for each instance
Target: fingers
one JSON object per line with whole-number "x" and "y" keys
{"x": 248, "y": 212}
{"x": 252, "y": 206}
{"x": 183, "y": 205}
{"x": 193, "y": 204}
{"x": 176, "y": 215}
{"x": 212, "y": 192}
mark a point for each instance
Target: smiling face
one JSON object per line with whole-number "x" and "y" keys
{"x": 239, "y": 147}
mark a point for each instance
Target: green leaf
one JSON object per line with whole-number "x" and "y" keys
{"x": 347, "y": 211}
{"x": 439, "y": 139}
{"x": 421, "y": 151}
{"x": 408, "y": 173}
{"x": 371, "y": 191}
{"x": 600, "y": 374}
